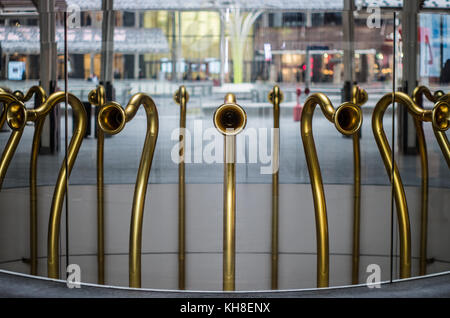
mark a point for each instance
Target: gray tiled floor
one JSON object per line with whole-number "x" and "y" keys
{"x": 122, "y": 153}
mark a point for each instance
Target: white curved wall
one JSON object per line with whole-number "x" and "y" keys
{"x": 204, "y": 233}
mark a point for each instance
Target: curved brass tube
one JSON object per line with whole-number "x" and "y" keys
{"x": 181, "y": 97}
{"x": 112, "y": 119}
{"x": 359, "y": 98}
{"x": 229, "y": 119}
{"x": 3, "y": 114}
{"x": 417, "y": 94}
{"x": 275, "y": 97}
{"x": 39, "y": 124}
{"x": 385, "y": 151}
{"x": 97, "y": 97}
{"x": 17, "y": 118}
{"x": 347, "y": 119}
{"x": 9, "y": 100}
{"x": 441, "y": 120}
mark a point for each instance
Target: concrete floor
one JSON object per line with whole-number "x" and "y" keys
{"x": 19, "y": 285}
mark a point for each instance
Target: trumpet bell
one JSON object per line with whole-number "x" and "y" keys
{"x": 179, "y": 94}
{"x": 275, "y": 95}
{"x": 361, "y": 96}
{"x": 441, "y": 116}
{"x": 230, "y": 118}
{"x": 348, "y": 118}
{"x": 111, "y": 118}
{"x": 16, "y": 115}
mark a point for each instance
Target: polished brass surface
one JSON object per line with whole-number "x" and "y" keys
{"x": 440, "y": 120}
{"x": 38, "y": 125}
{"x": 347, "y": 119}
{"x": 359, "y": 98}
{"x": 275, "y": 97}
{"x": 417, "y": 95}
{"x": 10, "y": 101}
{"x": 112, "y": 119}
{"x": 17, "y": 118}
{"x": 181, "y": 97}
{"x": 97, "y": 97}
{"x": 229, "y": 119}
{"x": 3, "y": 116}
{"x": 385, "y": 150}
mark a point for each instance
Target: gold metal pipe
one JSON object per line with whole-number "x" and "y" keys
{"x": 3, "y": 114}
{"x": 359, "y": 98}
{"x": 441, "y": 113}
{"x": 275, "y": 97}
{"x": 229, "y": 119}
{"x": 347, "y": 119}
{"x": 10, "y": 101}
{"x": 97, "y": 97}
{"x": 17, "y": 118}
{"x": 385, "y": 151}
{"x": 417, "y": 94}
{"x": 181, "y": 97}
{"x": 39, "y": 124}
{"x": 112, "y": 119}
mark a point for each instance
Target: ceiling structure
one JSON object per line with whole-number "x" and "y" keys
{"x": 26, "y": 5}
{"x": 25, "y": 40}
{"x": 247, "y": 4}
{"x": 300, "y": 5}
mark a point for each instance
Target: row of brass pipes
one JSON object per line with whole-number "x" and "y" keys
{"x": 230, "y": 119}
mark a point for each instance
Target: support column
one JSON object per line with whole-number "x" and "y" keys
{"x": 348, "y": 25}
{"x": 406, "y": 131}
{"x": 136, "y": 55}
{"x": 92, "y": 65}
{"x": 6, "y": 66}
{"x": 179, "y": 50}
{"x": 308, "y": 69}
{"x": 107, "y": 50}
{"x": 50, "y": 140}
{"x": 222, "y": 50}
{"x": 174, "y": 46}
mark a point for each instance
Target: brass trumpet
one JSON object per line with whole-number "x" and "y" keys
{"x": 181, "y": 97}
{"x": 229, "y": 119}
{"x": 112, "y": 119}
{"x": 441, "y": 119}
{"x": 17, "y": 117}
{"x": 97, "y": 97}
{"x": 417, "y": 94}
{"x": 347, "y": 119}
{"x": 38, "y": 125}
{"x": 359, "y": 98}
{"x": 275, "y": 97}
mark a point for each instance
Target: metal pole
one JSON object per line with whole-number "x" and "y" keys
{"x": 107, "y": 50}
{"x": 406, "y": 129}
{"x": 50, "y": 135}
{"x": 348, "y": 25}
{"x": 222, "y": 50}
